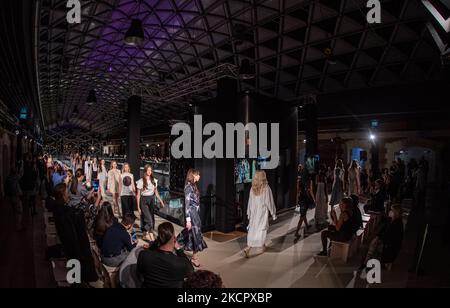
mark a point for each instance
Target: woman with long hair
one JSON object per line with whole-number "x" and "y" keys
{"x": 113, "y": 185}
{"x": 337, "y": 192}
{"x": 104, "y": 220}
{"x": 77, "y": 189}
{"x": 354, "y": 185}
{"x": 260, "y": 205}
{"x": 147, "y": 189}
{"x": 305, "y": 201}
{"x": 94, "y": 168}
{"x": 68, "y": 180}
{"x": 195, "y": 242}
{"x": 127, "y": 190}
{"x": 79, "y": 163}
{"x": 102, "y": 178}
{"x": 321, "y": 199}
{"x": 88, "y": 169}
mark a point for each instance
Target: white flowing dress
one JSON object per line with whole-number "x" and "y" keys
{"x": 258, "y": 211}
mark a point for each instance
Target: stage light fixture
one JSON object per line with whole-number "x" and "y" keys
{"x": 92, "y": 98}
{"x": 247, "y": 70}
{"x": 135, "y": 34}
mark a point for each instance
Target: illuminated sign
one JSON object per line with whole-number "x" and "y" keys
{"x": 23, "y": 113}
{"x": 374, "y": 123}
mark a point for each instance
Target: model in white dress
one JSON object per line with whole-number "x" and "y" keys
{"x": 259, "y": 208}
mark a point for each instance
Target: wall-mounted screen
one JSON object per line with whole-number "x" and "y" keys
{"x": 244, "y": 170}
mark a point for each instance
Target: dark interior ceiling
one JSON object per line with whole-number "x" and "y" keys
{"x": 18, "y": 86}
{"x": 286, "y": 40}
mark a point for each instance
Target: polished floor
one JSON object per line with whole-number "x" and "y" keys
{"x": 284, "y": 264}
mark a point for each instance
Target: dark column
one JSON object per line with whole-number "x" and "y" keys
{"x": 310, "y": 109}
{"x": 292, "y": 123}
{"x": 311, "y": 131}
{"x": 134, "y": 135}
{"x": 19, "y": 149}
{"x": 225, "y": 188}
{"x": 375, "y": 160}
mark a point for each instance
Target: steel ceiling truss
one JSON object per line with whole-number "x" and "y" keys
{"x": 190, "y": 44}
{"x": 198, "y": 84}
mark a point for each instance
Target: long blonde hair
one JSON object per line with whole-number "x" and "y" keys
{"x": 259, "y": 182}
{"x": 125, "y": 166}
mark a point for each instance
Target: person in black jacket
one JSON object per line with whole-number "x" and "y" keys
{"x": 377, "y": 198}
{"x": 71, "y": 229}
{"x": 117, "y": 243}
{"x": 357, "y": 212}
{"x": 387, "y": 244}
{"x": 164, "y": 265}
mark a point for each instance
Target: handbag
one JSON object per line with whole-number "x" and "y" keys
{"x": 183, "y": 237}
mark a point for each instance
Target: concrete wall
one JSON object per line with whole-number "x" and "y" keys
{"x": 7, "y": 156}
{"x": 413, "y": 144}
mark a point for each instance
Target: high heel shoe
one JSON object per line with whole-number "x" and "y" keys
{"x": 195, "y": 263}
{"x": 247, "y": 253}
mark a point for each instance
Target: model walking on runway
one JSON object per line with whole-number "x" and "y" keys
{"x": 195, "y": 242}
{"x": 147, "y": 189}
{"x": 260, "y": 204}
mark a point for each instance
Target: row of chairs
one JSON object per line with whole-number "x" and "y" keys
{"x": 364, "y": 236}
{"x": 58, "y": 264}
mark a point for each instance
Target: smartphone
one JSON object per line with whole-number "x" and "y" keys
{"x": 95, "y": 185}
{"x": 134, "y": 236}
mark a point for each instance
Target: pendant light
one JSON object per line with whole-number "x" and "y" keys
{"x": 247, "y": 70}
{"x": 135, "y": 35}
{"x": 92, "y": 98}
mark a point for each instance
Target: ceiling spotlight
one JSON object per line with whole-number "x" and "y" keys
{"x": 135, "y": 34}
{"x": 242, "y": 33}
{"x": 92, "y": 148}
{"x": 76, "y": 111}
{"x": 247, "y": 70}
{"x": 92, "y": 98}
{"x": 372, "y": 137}
{"x": 147, "y": 145}
{"x": 304, "y": 141}
{"x": 329, "y": 56}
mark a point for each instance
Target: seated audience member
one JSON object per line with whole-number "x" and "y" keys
{"x": 89, "y": 206}
{"x": 117, "y": 243}
{"x": 377, "y": 198}
{"x": 203, "y": 280}
{"x": 104, "y": 220}
{"x": 344, "y": 227}
{"x": 77, "y": 189}
{"x": 129, "y": 277}
{"x": 59, "y": 175}
{"x": 13, "y": 193}
{"x": 387, "y": 244}
{"x": 164, "y": 265}
{"x": 71, "y": 228}
{"x": 357, "y": 212}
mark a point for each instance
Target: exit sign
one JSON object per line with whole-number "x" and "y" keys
{"x": 374, "y": 123}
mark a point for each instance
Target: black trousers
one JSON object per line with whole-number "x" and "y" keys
{"x": 147, "y": 213}
{"x": 333, "y": 235}
{"x": 127, "y": 204}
